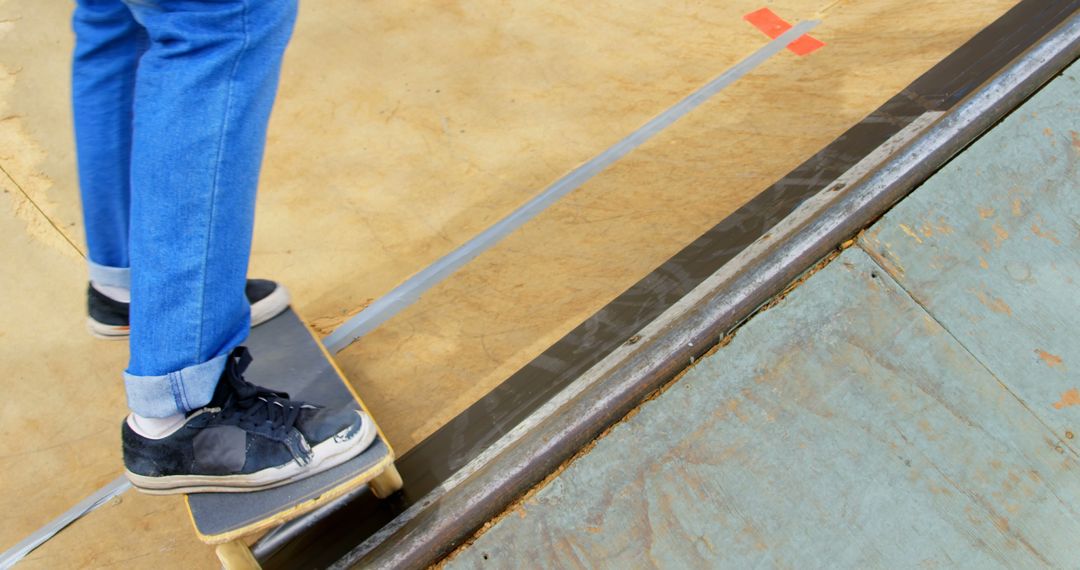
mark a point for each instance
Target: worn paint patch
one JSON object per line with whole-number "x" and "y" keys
{"x": 1045, "y": 234}
{"x": 1050, "y": 359}
{"x": 1068, "y": 398}
{"x": 904, "y": 228}
{"x": 993, "y": 303}
{"x": 941, "y": 227}
{"x": 1001, "y": 233}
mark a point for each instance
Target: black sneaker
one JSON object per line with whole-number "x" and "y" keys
{"x": 109, "y": 319}
{"x": 247, "y": 438}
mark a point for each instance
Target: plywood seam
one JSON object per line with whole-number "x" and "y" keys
{"x": 884, "y": 267}
{"x": 42, "y": 212}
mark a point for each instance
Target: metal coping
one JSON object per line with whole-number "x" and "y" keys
{"x": 950, "y": 86}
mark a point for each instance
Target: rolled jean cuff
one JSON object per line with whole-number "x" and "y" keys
{"x": 176, "y": 392}
{"x": 111, "y": 276}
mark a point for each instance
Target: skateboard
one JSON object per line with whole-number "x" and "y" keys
{"x": 288, "y": 357}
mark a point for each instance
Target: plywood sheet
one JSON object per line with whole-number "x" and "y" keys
{"x": 502, "y": 310}
{"x": 131, "y": 531}
{"x": 404, "y": 129}
{"x": 63, "y": 397}
{"x": 844, "y": 428}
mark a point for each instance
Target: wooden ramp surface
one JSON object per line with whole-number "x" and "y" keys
{"x": 402, "y": 130}
{"x": 913, "y": 404}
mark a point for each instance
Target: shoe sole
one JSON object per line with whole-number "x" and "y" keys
{"x": 107, "y": 332}
{"x": 270, "y": 306}
{"x": 326, "y": 455}
{"x": 261, "y": 311}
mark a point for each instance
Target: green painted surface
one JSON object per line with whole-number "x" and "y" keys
{"x": 991, "y": 247}
{"x": 897, "y": 410}
{"x": 844, "y": 428}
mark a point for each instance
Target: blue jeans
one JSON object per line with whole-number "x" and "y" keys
{"x": 171, "y": 101}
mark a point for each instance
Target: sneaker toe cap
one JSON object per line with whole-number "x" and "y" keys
{"x": 259, "y": 289}
{"x": 321, "y": 424}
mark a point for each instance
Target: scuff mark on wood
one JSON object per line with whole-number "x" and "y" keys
{"x": 326, "y": 325}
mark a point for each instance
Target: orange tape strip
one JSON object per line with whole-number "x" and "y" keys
{"x": 772, "y": 25}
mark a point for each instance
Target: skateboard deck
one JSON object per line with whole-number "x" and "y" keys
{"x": 289, "y": 358}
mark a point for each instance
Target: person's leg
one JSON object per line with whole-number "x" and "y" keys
{"x": 108, "y": 43}
{"x": 203, "y": 96}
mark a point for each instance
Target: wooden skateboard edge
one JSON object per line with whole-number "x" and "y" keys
{"x": 311, "y": 504}
{"x": 344, "y": 380}
{"x": 293, "y": 511}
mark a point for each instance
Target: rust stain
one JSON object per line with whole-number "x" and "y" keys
{"x": 1051, "y": 360}
{"x": 911, "y": 233}
{"x": 985, "y": 246}
{"x": 993, "y": 303}
{"x": 983, "y": 263}
{"x": 1068, "y": 398}
{"x": 985, "y": 213}
{"x": 1017, "y": 208}
{"x": 1048, "y": 132}
{"x": 1035, "y": 229}
{"x": 1075, "y": 140}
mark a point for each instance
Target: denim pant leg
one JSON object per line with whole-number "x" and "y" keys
{"x": 108, "y": 43}
{"x": 203, "y": 94}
